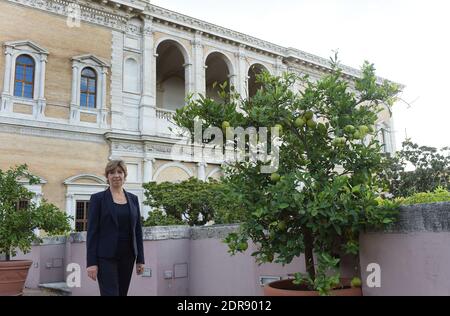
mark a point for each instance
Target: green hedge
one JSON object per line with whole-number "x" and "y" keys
{"x": 438, "y": 195}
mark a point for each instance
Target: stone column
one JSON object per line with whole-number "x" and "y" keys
{"x": 232, "y": 80}
{"x": 148, "y": 177}
{"x": 147, "y": 107}
{"x": 199, "y": 65}
{"x": 117, "y": 115}
{"x": 392, "y": 134}
{"x": 242, "y": 79}
{"x": 202, "y": 171}
{"x": 37, "y": 199}
{"x": 153, "y": 77}
{"x": 103, "y": 110}
{"x": 74, "y": 102}
{"x": 280, "y": 68}
{"x": 189, "y": 82}
{"x": 148, "y": 169}
{"x": 41, "y": 102}
{"x": 8, "y": 69}
{"x": 6, "y": 93}
{"x": 69, "y": 209}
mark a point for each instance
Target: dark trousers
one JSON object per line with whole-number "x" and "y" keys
{"x": 114, "y": 274}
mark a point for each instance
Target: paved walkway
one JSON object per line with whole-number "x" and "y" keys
{"x": 39, "y": 292}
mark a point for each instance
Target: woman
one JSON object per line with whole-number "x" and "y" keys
{"x": 114, "y": 237}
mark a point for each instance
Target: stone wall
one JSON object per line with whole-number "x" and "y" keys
{"x": 414, "y": 255}
{"x": 53, "y": 159}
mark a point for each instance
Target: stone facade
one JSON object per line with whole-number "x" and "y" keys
{"x": 146, "y": 60}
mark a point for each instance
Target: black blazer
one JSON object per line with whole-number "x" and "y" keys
{"x": 103, "y": 228}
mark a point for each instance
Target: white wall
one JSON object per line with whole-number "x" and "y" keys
{"x": 171, "y": 94}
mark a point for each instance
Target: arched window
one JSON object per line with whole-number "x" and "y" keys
{"x": 170, "y": 76}
{"x": 88, "y": 88}
{"x": 24, "y": 77}
{"x": 217, "y": 73}
{"x": 386, "y": 138}
{"x": 253, "y": 84}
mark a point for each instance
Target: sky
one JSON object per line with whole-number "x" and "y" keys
{"x": 407, "y": 40}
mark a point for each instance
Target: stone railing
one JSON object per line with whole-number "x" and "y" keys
{"x": 164, "y": 114}
{"x": 162, "y": 233}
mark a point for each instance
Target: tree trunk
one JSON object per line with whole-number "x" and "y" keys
{"x": 7, "y": 256}
{"x": 309, "y": 254}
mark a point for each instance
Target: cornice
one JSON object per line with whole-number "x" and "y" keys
{"x": 52, "y": 130}
{"x": 91, "y": 11}
{"x": 248, "y": 42}
{"x": 156, "y": 147}
{"x": 116, "y": 14}
{"x": 30, "y": 44}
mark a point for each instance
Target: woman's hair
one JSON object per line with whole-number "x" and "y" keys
{"x": 112, "y": 165}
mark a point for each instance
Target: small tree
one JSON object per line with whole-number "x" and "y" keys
{"x": 17, "y": 225}
{"x": 325, "y": 190}
{"x": 194, "y": 201}
{"x": 430, "y": 169}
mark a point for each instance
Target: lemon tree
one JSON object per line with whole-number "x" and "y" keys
{"x": 325, "y": 189}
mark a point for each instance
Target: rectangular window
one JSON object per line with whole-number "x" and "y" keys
{"x": 81, "y": 216}
{"x": 22, "y": 205}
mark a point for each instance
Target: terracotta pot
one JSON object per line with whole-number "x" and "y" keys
{"x": 287, "y": 288}
{"x": 12, "y": 277}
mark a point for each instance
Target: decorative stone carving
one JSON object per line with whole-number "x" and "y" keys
{"x": 130, "y": 147}
{"x": 117, "y": 19}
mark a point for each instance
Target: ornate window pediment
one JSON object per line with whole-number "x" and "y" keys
{"x": 79, "y": 105}
{"x": 26, "y": 46}
{"x": 86, "y": 179}
{"x": 24, "y": 83}
{"x": 79, "y": 189}
{"x": 90, "y": 60}
{"x": 36, "y": 188}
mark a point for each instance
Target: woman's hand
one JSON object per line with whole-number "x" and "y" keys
{"x": 140, "y": 268}
{"x": 92, "y": 272}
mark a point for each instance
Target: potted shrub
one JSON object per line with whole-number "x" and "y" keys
{"x": 324, "y": 190}
{"x": 19, "y": 217}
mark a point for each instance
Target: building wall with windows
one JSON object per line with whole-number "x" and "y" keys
{"x": 108, "y": 76}
{"x": 59, "y": 44}
{"x": 54, "y": 159}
